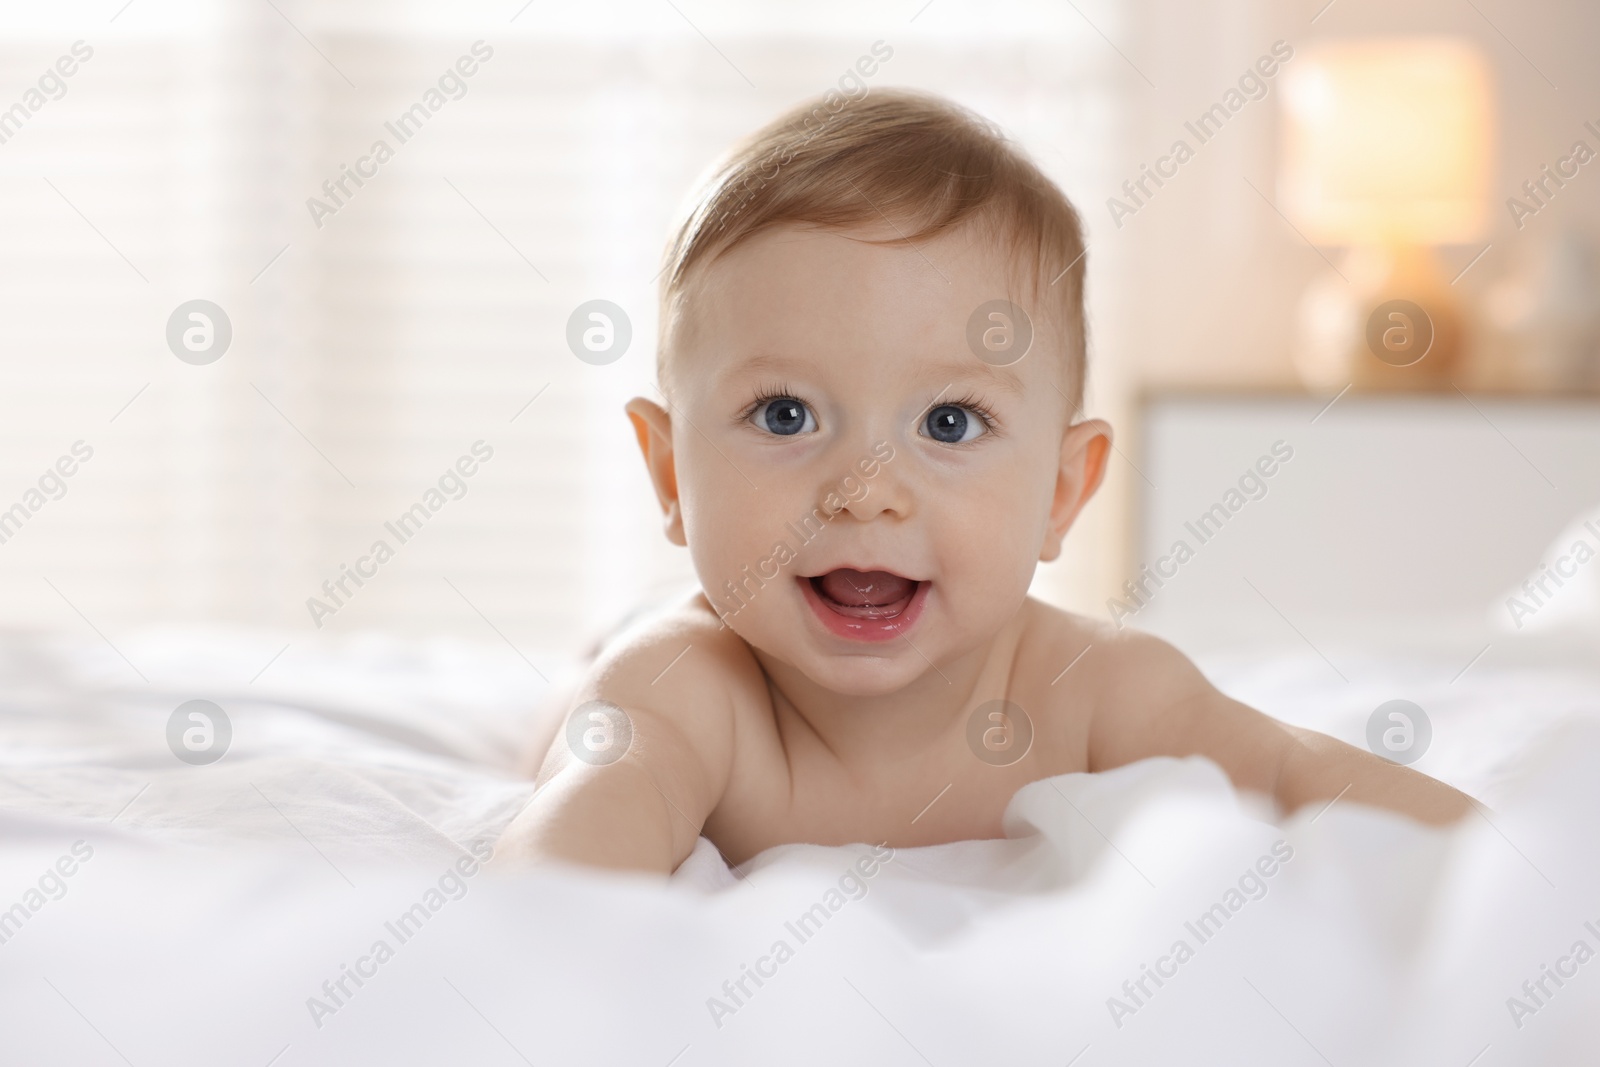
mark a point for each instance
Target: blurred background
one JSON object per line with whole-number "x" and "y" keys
{"x": 373, "y": 345}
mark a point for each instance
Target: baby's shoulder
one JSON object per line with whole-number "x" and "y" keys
{"x": 1110, "y": 696}
{"x": 1077, "y": 654}
{"x": 681, "y": 656}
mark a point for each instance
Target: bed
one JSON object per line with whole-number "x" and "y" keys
{"x": 320, "y": 895}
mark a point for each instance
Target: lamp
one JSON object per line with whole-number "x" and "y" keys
{"x": 1386, "y": 150}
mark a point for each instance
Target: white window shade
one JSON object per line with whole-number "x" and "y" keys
{"x": 374, "y": 351}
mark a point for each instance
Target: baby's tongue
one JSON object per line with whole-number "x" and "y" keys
{"x": 866, "y": 588}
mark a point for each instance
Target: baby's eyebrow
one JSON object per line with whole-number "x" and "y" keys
{"x": 972, "y": 374}
{"x": 969, "y": 373}
{"x": 769, "y": 362}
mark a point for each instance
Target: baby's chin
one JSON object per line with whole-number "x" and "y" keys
{"x": 878, "y": 673}
{"x": 876, "y": 669}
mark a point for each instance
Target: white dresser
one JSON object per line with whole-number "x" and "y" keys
{"x": 1392, "y": 513}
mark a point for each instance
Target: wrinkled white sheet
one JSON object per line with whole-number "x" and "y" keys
{"x": 217, "y": 901}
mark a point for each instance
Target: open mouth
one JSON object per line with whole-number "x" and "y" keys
{"x": 867, "y": 605}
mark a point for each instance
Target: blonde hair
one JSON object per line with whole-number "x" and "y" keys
{"x": 926, "y": 163}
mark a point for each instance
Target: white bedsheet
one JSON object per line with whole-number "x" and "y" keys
{"x": 218, "y": 900}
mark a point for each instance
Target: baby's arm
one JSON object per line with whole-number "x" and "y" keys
{"x": 1158, "y": 703}
{"x": 645, "y": 810}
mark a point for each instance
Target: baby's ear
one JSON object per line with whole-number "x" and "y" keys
{"x": 1084, "y": 447}
{"x": 653, "y": 427}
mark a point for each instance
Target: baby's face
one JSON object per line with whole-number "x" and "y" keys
{"x": 862, "y": 495}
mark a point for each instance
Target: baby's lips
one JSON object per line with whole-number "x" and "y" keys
{"x": 854, "y": 588}
{"x": 854, "y": 603}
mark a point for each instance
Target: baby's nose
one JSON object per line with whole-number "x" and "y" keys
{"x": 874, "y": 486}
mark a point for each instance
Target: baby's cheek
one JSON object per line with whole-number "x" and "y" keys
{"x": 980, "y": 553}
{"x": 743, "y": 545}
{"x": 988, "y": 548}
{"x": 719, "y": 546}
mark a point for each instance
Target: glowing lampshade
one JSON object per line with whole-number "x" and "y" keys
{"x": 1387, "y": 142}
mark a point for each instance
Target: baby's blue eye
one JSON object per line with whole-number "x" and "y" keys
{"x": 787, "y": 416}
{"x": 952, "y": 425}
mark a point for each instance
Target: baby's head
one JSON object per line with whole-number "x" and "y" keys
{"x": 871, "y": 356}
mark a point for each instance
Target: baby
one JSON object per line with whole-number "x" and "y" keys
{"x": 872, "y": 353}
